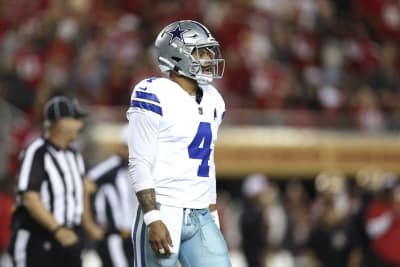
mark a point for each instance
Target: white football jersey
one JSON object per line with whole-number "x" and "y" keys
{"x": 172, "y": 140}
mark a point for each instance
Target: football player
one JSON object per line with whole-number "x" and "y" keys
{"x": 173, "y": 125}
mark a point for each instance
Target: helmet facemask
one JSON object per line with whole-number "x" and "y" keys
{"x": 207, "y": 63}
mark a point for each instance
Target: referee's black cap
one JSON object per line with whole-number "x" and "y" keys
{"x": 60, "y": 107}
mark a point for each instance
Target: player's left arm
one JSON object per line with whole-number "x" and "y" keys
{"x": 219, "y": 115}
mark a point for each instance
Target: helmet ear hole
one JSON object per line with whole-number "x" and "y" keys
{"x": 177, "y": 59}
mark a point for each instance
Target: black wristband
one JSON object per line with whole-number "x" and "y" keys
{"x": 57, "y": 229}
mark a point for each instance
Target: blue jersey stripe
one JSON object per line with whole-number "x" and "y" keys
{"x": 147, "y": 96}
{"x": 148, "y": 106}
{"x": 143, "y": 245}
{"x": 134, "y": 236}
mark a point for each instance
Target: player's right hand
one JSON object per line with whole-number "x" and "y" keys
{"x": 159, "y": 238}
{"x": 66, "y": 237}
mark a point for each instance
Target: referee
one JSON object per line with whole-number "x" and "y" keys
{"x": 50, "y": 192}
{"x": 114, "y": 204}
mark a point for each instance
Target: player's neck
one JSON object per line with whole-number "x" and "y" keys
{"x": 189, "y": 85}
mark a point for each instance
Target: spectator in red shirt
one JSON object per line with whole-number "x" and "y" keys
{"x": 382, "y": 223}
{"x": 6, "y": 206}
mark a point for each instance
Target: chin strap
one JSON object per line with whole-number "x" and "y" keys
{"x": 199, "y": 94}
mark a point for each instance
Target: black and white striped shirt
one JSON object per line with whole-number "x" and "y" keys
{"x": 115, "y": 201}
{"x": 57, "y": 175}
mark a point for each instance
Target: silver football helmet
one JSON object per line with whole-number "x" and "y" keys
{"x": 188, "y": 48}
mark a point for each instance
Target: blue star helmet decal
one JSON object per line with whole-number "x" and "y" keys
{"x": 176, "y": 33}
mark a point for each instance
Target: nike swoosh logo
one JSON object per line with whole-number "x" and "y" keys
{"x": 143, "y": 88}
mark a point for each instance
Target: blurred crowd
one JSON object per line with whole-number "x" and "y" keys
{"x": 325, "y": 63}
{"x": 333, "y": 221}
{"x": 306, "y": 63}
{"x": 328, "y": 63}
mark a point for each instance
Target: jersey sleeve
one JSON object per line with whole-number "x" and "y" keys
{"x": 219, "y": 118}
{"x": 144, "y": 115}
{"x": 220, "y": 109}
{"x": 142, "y": 143}
{"x": 32, "y": 172}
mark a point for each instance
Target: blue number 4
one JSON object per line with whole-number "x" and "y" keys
{"x": 200, "y": 148}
